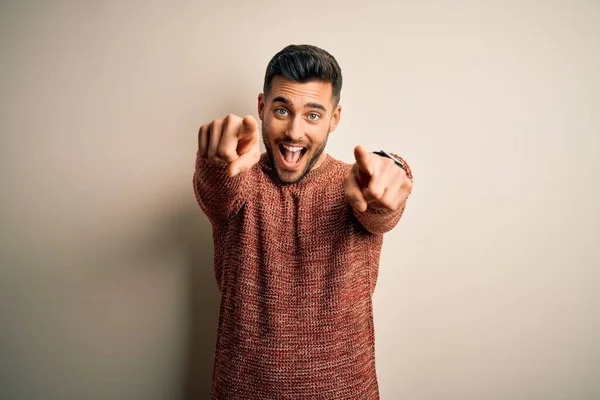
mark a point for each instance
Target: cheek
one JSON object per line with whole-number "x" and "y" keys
{"x": 269, "y": 132}
{"x": 267, "y": 126}
{"x": 274, "y": 127}
{"x": 318, "y": 134}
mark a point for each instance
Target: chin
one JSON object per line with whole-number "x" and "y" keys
{"x": 289, "y": 176}
{"x": 290, "y": 162}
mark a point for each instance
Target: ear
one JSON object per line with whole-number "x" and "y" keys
{"x": 261, "y": 106}
{"x": 335, "y": 118}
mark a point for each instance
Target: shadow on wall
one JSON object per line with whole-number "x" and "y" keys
{"x": 204, "y": 294}
{"x": 204, "y": 304}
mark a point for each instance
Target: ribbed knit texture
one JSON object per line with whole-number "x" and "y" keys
{"x": 296, "y": 267}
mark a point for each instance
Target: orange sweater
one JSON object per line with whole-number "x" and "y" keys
{"x": 296, "y": 267}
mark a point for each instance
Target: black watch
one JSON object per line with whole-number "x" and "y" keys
{"x": 383, "y": 153}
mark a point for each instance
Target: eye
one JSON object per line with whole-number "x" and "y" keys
{"x": 313, "y": 116}
{"x": 282, "y": 112}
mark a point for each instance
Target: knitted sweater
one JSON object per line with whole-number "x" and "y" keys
{"x": 296, "y": 267}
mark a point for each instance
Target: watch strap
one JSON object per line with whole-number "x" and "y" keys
{"x": 384, "y": 153}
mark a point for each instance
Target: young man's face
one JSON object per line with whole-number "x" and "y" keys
{"x": 296, "y": 121}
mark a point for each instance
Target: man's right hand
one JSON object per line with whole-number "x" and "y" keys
{"x": 232, "y": 140}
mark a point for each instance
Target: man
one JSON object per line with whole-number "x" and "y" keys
{"x": 297, "y": 239}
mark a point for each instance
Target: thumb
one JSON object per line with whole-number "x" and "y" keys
{"x": 363, "y": 160}
{"x": 243, "y": 163}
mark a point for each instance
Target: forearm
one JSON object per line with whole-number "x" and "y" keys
{"x": 218, "y": 195}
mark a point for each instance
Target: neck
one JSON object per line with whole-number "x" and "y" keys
{"x": 320, "y": 160}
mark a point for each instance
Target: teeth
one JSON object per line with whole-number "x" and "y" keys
{"x": 292, "y": 148}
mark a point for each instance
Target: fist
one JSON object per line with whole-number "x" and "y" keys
{"x": 233, "y": 141}
{"x": 376, "y": 182}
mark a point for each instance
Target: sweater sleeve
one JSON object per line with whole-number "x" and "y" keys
{"x": 219, "y": 196}
{"x": 382, "y": 221}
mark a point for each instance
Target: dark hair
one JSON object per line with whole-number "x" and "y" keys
{"x": 304, "y": 63}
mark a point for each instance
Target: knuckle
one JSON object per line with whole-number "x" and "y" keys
{"x": 376, "y": 192}
{"x": 211, "y": 128}
{"x": 225, "y": 153}
{"x": 204, "y": 130}
{"x": 406, "y": 186}
{"x": 388, "y": 203}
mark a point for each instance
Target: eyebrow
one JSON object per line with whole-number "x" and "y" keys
{"x": 283, "y": 100}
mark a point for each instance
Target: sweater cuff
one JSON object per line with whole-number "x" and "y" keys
{"x": 219, "y": 195}
{"x": 405, "y": 164}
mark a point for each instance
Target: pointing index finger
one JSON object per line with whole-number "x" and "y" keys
{"x": 249, "y": 126}
{"x": 363, "y": 160}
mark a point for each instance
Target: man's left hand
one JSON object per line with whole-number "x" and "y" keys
{"x": 376, "y": 182}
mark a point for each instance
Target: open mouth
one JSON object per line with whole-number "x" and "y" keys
{"x": 291, "y": 155}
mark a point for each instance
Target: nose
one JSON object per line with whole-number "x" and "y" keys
{"x": 295, "y": 130}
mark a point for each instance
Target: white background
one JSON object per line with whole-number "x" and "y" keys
{"x": 489, "y": 285}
